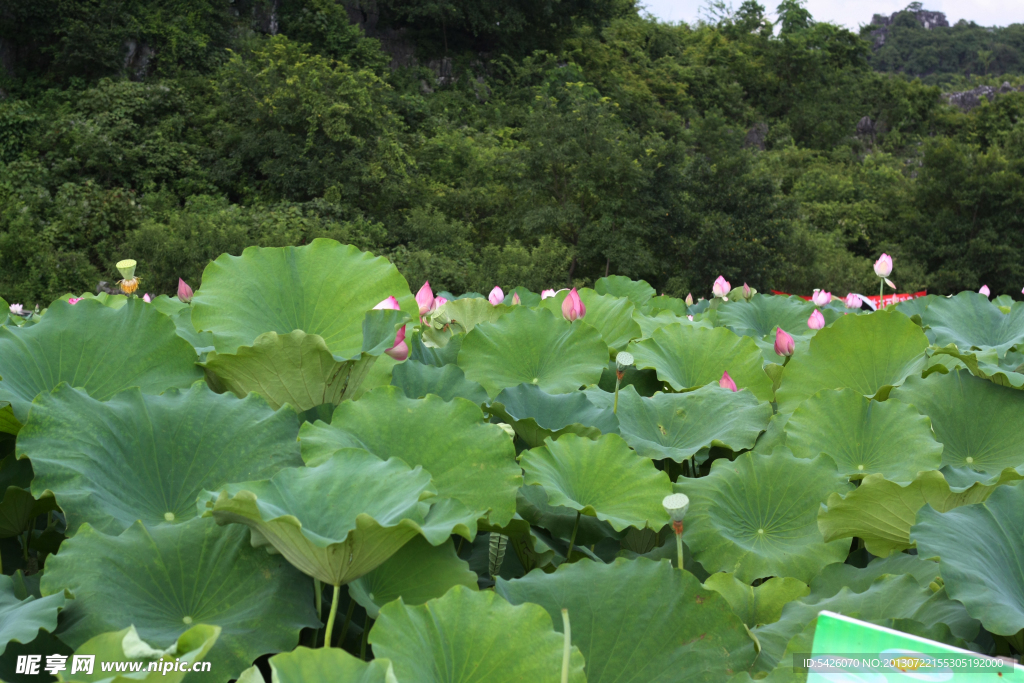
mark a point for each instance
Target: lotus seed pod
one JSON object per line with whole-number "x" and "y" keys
{"x": 624, "y": 360}
{"x": 676, "y": 506}
{"x": 126, "y": 268}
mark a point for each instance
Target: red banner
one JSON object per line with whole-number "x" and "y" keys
{"x": 888, "y": 300}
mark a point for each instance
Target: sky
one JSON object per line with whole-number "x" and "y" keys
{"x": 853, "y": 13}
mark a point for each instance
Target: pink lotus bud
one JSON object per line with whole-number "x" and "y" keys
{"x": 816, "y": 321}
{"x": 572, "y": 307}
{"x": 726, "y": 382}
{"x": 400, "y": 350}
{"x": 690, "y": 318}
{"x": 74, "y": 300}
{"x": 821, "y": 297}
{"x": 184, "y": 292}
{"x": 784, "y": 344}
{"x": 746, "y": 291}
{"x": 985, "y": 290}
{"x": 883, "y": 266}
{"x": 496, "y": 296}
{"x": 389, "y": 304}
{"x": 689, "y": 299}
{"x": 547, "y": 293}
{"x": 515, "y": 299}
{"x": 425, "y": 298}
{"x": 147, "y": 298}
{"x": 721, "y": 288}
{"x": 439, "y": 301}
{"x": 853, "y": 300}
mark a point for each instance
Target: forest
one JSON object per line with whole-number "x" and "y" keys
{"x": 518, "y": 143}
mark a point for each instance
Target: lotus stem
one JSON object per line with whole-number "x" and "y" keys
{"x": 572, "y": 539}
{"x": 318, "y": 597}
{"x": 334, "y": 613}
{"x": 678, "y": 528}
{"x": 367, "y": 625}
{"x": 566, "y": 646}
{"x": 348, "y": 622}
{"x": 881, "y": 293}
{"x": 618, "y": 380}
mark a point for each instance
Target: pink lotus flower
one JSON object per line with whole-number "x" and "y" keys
{"x": 17, "y": 309}
{"x": 816, "y": 321}
{"x": 496, "y": 296}
{"x": 184, "y": 292}
{"x": 985, "y": 290}
{"x": 721, "y": 288}
{"x": 572, "y": 307}
{"x": 400, "y": 350}
{"x": 821, "y": 297}
{"x": 389, "y": 304}
{"x": 883, "y": 266}
{"x": 147, "y": 298}
{"x": 727, "y": 383}
{"x": 515, "y": 299}
{"x": 689, "y": 299}
{"x": 547, "y": 293}
{"x": 853, "y": 300}
{"x": 425, "y": 298}
{"x": 74, "y": 300}
{"x": 690, "y": 318}
{"x": 784, "y": 344}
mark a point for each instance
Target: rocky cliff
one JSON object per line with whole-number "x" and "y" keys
{"x": 926, "y": 18}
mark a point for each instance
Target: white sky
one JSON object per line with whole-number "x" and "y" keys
{"x": 853, "y": 13}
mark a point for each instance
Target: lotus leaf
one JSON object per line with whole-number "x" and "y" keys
{"x": 650, "y": 323}
{"x": 612, "y": 316}
{"x": 689, "y": 357}
{"x": 471, "y": 637}
{"x": 536, "y": 415}
{"x": 601, "y": 478}
{"x": 760, "y": 316}
{"x": 147, "y": 457}
{"x": 19, "y": 508}
{"x": 756, "y": 605}
{"x": 323, "y": 288}
{"x": 374, "y": 510}
{"x": 126, "y": 646}
{"x": 166, "y": 579}
{"x": 325, "y": 665}
{"x": 676, "y": 426}
{"x": 867, "y": 353}
{"x": 21, "y": 617}
{"x": 96, "y": 348}
{"x": 984, "y": 365}
{"x": 981, "y": 556}
{"x": 467, "y": 458}
{"x": 757, "y": 516}
{"x": 417, "y": 380}
{"x": 637, "y": 291}
{"x": 416, "y": 573}
{"x": 863, "y": 436}
{"x": 971, "y": 321}
{"x": 639, "y": 620}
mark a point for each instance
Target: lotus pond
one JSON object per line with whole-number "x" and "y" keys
{"x": 305, "y": 473}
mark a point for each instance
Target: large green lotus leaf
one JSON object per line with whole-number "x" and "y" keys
{"x": 976, "y": 421}
{"x": 756, "y": 516}
{"x": 533, "y": 346}
{"x": 756, "y": 605}
{"x": 650, "y": 323}
{"x": 981, "y": 556}
{"x": 971, "y": 321}
{"x": 760, "y": 316}
{"x": 602, "y": 479}
{"x": 639, "y": 620}
{"x": 416, "y": 573}
{"x": 19, "y": 508}
{"x": 140, "y": 457}
{"x": 340, "y": 519}
{"x": 21, "y": 617}
{"x": 888, "y": 598}
{"x": 983, "y": 364}
{"x": 471, "y": 637}
{"x": 126, "y": 646}
{"x": 181, "y": 314}
{"x": 432, "y": 355}
{"x": 866, "y": 353}
{"x": 468, "y": 459}
{"x": 166, "y": 579}
{"x": 323, "y": 288}
{"x": 676, "y": 426}
{"x": 457, "y": 317}
{"x": 8, "y": 423}
{"x": 864, "y": 436}
{"x": 637, "y": 291}
{"x": 323, "y": 665}
{"x": 916, "y": 307}
{"x": 881, "y": 512}
{"x": 840, "y": 575}
{"x": 417, "y": 380}
{"x": 661, "y": 303}
{"x": 536, "y": 415}
{"x": 97, "y": 348}
{"x": 688, "y": 357}
{"x": 612, "y": 316}
{"x": 297, "y": 368}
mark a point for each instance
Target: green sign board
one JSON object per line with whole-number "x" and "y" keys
{"x": 848, "y": 650}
